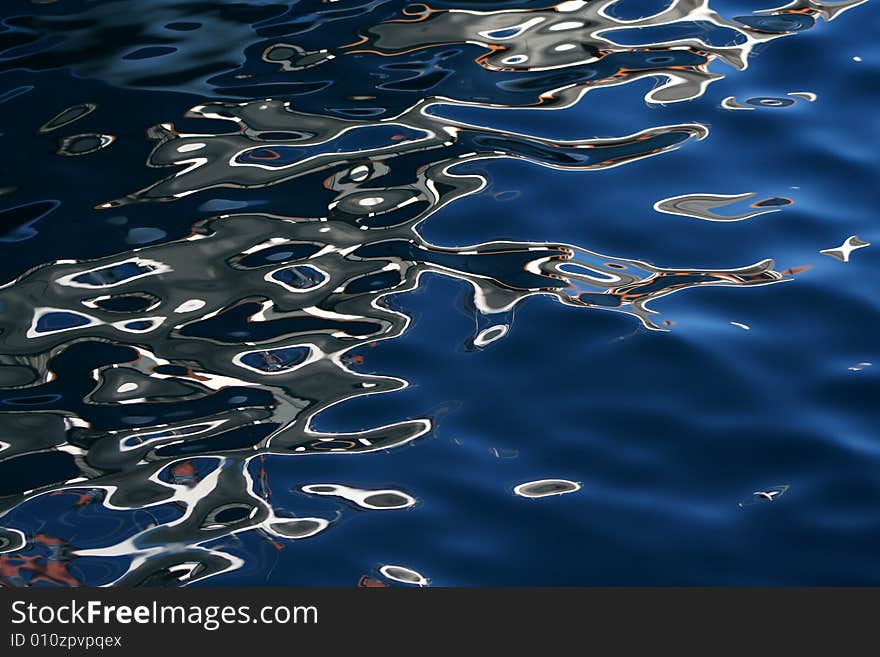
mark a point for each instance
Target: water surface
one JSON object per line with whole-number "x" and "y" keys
{"x": 458, "y": 293}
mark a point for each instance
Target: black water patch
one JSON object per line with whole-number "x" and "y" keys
{"x": 35, "y": 470}
{"x": 127, "y": 303}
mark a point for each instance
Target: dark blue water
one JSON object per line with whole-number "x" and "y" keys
{"x": 307, "y": 293}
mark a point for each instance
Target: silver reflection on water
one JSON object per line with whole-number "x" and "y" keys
{"x": 574, "y": 34}
{"x": 771, "y": 494}
{"x": 404, "y": 575}
{"x": 376, "y": 499}
{"x": 546, "y": 488}
{"x": 84, "y": 144}
{"x": 704, "y": 206}
{"x": 843, "y": 252}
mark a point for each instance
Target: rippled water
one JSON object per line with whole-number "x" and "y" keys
{"x": 375, "y": 293}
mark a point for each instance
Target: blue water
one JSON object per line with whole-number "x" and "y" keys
{"x": 746, "y": 382}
